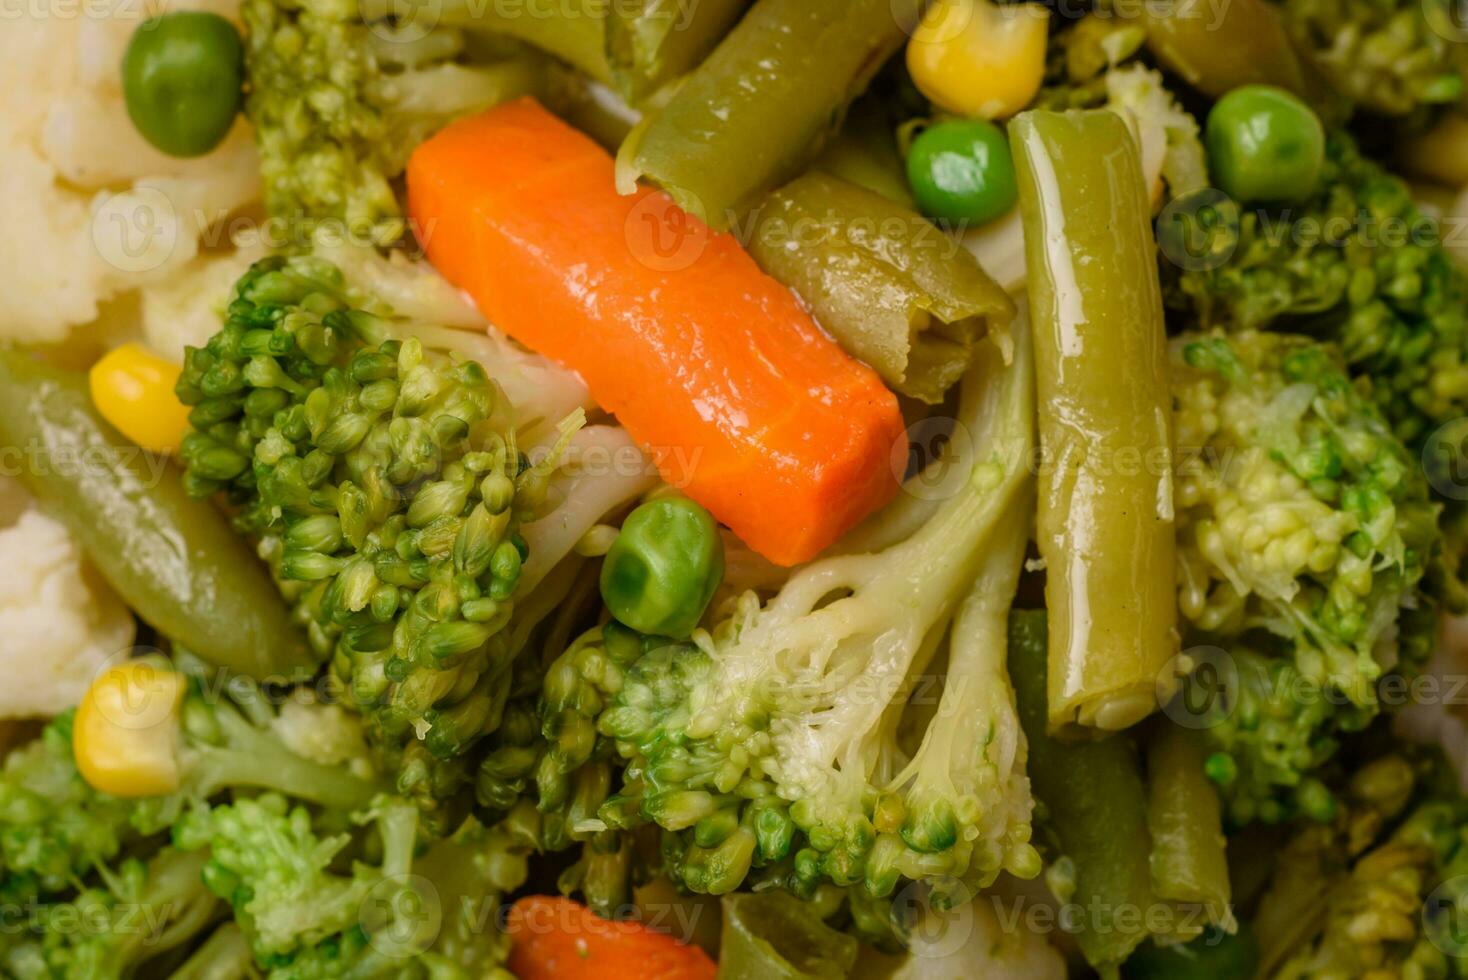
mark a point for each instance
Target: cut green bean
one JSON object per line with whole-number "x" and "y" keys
{"x": 173, "y": 559}
{"x": 764, "y": 104}
{"x": 1189, "y": 864}
{"x": 1105, "y": 525}
{"x": 652, "y": 42}
{"x": 573, "y": 30}
{"x": 892, "y": 289}
{"x": 773, "y": 935}
{"x": 1094, "y": 805}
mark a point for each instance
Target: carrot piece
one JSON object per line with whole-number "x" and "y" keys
{"x": 709, "y": 363}
{"x": 558, "y": 939}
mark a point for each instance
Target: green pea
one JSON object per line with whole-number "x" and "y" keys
{"x": 960, "y": 170}
{"x": 1265, "y": 146}
{"x": 663, "y": 568}
{"x": 182, "y": 78}
{"x": 1215, "y": 955}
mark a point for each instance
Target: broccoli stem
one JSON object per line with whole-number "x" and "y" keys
{"x": 225, "y": 955}
{"x": 251, "y": 757}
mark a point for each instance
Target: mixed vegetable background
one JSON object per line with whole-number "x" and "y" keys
{"x": 1045, "y": 439}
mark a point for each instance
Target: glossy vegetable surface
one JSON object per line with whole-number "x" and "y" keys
{"x": 708, "y": 362}
{"x": 980, "y": 59}
{"x": 652, "y": 42}
{"x": 961, "y": 171}
{"x": 762, "y": 106}
{"x": 173, "y": 559}
{"x": 663, "y": 568}
{"x": 1105, "y": 525}
{"x": 183, "y": 81}
{"x": 558, "y": 939}
{"x": 133, "y": 389}
{"x": 1095, "y": 805}
{"x": 1186, "y": 824}
{"x": 890, "y": 287}
{"x": 1265, "y": 146}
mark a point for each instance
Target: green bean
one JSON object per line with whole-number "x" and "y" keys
{"x": 1220, "y": 47}
{"x": 1186, "y": 823}
{"x": 764, "y": 104}
{"x": 1105, "y": 525}
{"x": 173, "y": 559}
{"x": 1094, "y": 804}
{"x": 773, "y": 935}
{"x": 652, "y": 42}
{"x": 894, "y": 291}
{"x": 572, "y": 30}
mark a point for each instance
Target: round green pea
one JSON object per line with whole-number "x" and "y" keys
{"x": 663, "y": 568}
{"x": 960, "y": 170}
{"x": 1265, "y": 146}
{"x": 182, "y": 80}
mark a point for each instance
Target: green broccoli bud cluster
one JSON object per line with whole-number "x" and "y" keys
{"x": 138, "y": 911}
{"x": 385, "y": 486}
{"x": 1358, "y": 265}
{"x": 1304, "y": 530}
{"x": 339, "y": 96}
{"x": 1391, "y": 56}
{"x": 54, "y": 828}
{"x": 1376, "y": 892}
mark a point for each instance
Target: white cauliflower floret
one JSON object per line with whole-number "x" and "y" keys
{"x": 982, "y": 938}
{"x": 59, "y": 623}
{"x": 324, "y": 733}
{"x": 185, "y": 310}
{"x": 97, "y": 210}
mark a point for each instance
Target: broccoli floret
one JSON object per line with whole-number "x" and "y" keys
{"x": 267, "y": 861}
{"x": 1304, "y": 529}
{"x": 1358, "y": 265}
{"x": 340, "y": 95}
{"x": 1372, "y": 893}
{"x": 777, "y": 741}
{"x": 54, "y": 828}
{"x": 385, "y": 485}
{"x": 140, "y": 911}
{"x": 1390, "y": 56}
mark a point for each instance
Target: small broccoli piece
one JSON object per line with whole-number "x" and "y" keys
{"x": 339, "y": 97}
{"x": 1358, "y": 265}
{"x": 225, "y": 955}
{"x": 267, "y": 861}
{"x": 774, "y": 743}
{"x": 141, "y": 910}
{"x": 1388, "y": 55}
{"x": 385, "y": 485}
{"x": 54, "y": 828}
{"x": 1304, "y": 529}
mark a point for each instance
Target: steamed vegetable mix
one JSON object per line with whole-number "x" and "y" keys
{"x": 708, "y": 362}
{"x": 893, "y": 290}
{"x": 652, "y": 42}
{"x": 1105, "y": 518}
{"x": 174, "y": 560}
{"x": 763, "y": 105}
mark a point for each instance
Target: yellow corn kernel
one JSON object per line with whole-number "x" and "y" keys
{"x": 126, "y": 734}
{"x": 976, "y": 58}
{"x": 133, "y": 389}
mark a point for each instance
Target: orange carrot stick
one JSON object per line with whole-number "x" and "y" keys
{"x": 558, "y": 939}
{"x": 709, "y": 363}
